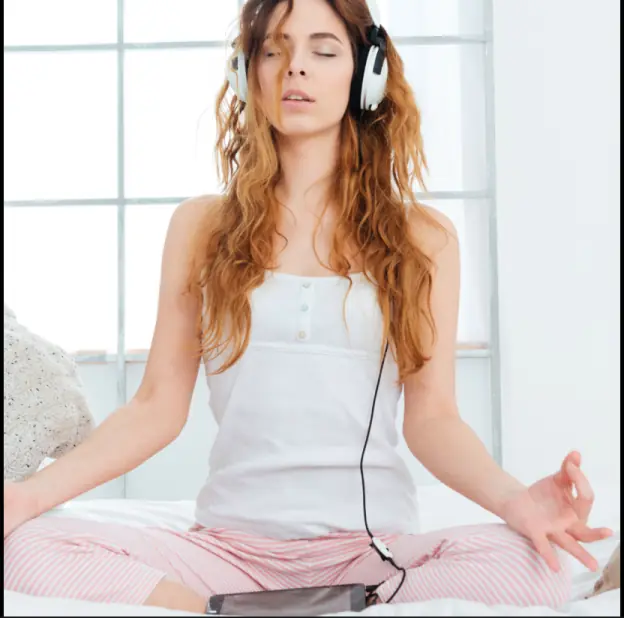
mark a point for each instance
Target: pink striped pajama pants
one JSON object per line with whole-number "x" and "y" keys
{"x": 113, "y": 563}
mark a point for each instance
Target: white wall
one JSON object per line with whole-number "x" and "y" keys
{"x": 557, "y": 79}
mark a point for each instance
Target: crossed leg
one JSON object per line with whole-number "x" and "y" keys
{"x": 487, "y": 563}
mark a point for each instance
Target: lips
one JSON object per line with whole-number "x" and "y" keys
{"x": 297, "y": 96}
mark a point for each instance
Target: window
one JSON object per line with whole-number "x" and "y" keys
{"x": 109, "y": 123}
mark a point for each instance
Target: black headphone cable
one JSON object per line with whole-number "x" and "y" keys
{"x": 376, "y": 544}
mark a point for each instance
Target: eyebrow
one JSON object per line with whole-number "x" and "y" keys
{"x": 324, "y": 35}
{"x": 315, "y": 36}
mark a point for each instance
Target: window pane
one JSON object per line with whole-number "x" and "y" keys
{"x": 61, "y": 22}
{"x": 178, "y": 20}
{"x": 432, "y": 17}
{"x": 449, "y": 88}
{"x": 170, "y": 121}
{"x": 60, "y": 273}
{"x": 146, "y": 228}
{"x": 471, "y": 219}
{"x": 60, "y": 125}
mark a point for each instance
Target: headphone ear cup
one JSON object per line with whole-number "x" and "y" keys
{"x": 357, "y": 82}
{"x": 368, "y": 88}
{"x": 373, "y": 84}
{"x": 237, "y": 76}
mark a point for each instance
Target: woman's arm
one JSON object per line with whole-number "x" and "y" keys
{"x": 158, "y": 411}
{"x": 433, "y": 429}
{"x": 546, "y": 512}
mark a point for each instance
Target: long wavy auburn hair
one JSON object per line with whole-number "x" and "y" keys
{"x": 380, "y": 160}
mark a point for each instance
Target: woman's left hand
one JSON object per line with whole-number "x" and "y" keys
{"x": 549, "y": 511}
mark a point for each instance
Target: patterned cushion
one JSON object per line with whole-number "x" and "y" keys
{"x": 45, "y": 410}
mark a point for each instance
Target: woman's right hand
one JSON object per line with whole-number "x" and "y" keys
{"x": 20, "y": 505}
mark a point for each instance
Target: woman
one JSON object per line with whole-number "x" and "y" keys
{"x": 298, "y": 276}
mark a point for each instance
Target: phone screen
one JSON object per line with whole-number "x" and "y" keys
{"x": 295, "y": 602}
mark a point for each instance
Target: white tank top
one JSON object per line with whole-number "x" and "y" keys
{"x": 293, "y": 414}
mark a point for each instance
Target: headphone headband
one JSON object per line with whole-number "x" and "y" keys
{"x": 371, "y": 5}
{"x": 374, "y": 11}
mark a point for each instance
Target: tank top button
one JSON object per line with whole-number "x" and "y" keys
{"x": 302, "y": 335}
{"x": 304, "y": 307}
{"x": 306, "y": 284}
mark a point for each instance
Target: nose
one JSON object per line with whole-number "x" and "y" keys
{"x": 297, "y": 63}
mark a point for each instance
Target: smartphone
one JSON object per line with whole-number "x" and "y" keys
{"x": 291, "y": 602}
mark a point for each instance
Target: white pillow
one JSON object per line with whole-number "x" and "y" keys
{"x": 45, "y": 410}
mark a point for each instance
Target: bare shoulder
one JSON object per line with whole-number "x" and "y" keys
{"x": 195, "y": 210}
{"x": 433, "y": 232}
{"x": 190, "y": 221}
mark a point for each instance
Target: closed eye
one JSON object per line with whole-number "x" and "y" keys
{"x": 326, "y": 55}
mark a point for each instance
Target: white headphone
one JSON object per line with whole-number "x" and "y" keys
{"x": 368, "y": 87}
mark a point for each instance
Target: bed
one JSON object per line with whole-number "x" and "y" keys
{"x": 439, "y": 507}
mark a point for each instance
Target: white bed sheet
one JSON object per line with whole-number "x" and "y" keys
{"x": 438, "y": 508}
